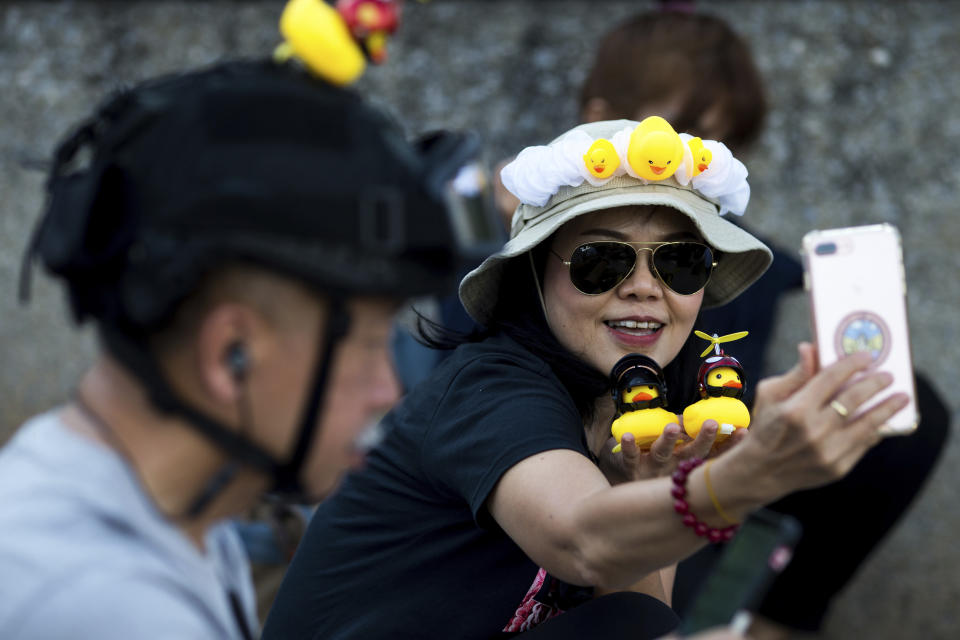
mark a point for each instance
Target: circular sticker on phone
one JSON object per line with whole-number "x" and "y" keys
{"x": 863, "y": 331}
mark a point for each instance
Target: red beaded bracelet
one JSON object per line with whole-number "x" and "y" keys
{"x": 681, "y": 506}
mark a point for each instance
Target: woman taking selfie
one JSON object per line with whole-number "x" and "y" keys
{"x": 484, "y": 511}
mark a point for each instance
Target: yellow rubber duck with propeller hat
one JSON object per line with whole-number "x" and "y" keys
{"x": 721, "y": 384}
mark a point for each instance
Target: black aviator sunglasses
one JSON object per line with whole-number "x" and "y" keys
{"x": 597, "y": 267}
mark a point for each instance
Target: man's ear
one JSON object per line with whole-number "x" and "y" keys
{"x": 225, "y": 349}
{"x": 595, "y": 110}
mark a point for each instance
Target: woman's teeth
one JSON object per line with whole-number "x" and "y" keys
{"x": 634, "y": 327}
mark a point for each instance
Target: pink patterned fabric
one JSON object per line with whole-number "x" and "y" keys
{"x": 530, "y": 613}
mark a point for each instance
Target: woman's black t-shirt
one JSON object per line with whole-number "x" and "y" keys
{"x": 406, "y": 548}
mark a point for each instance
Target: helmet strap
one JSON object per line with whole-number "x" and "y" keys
{"x": 723, "y": 392}
{"x": 230, "y": 468}
{"x": 240, "y": 449}
{"x": 212, "y": 488}
{"x": 136, "y": 358}
{"x": 142, "y": 364}
{"x": 287, "y": 477}
{"x": 653, "y": 403}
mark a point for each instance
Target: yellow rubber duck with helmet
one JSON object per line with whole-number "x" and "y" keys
{"x": 721, "y": 385}
{"x": 640, "y": 393}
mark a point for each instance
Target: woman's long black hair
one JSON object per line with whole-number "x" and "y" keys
{"x": 519, "y": 315}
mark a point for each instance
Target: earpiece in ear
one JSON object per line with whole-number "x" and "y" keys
{"x": 237, "y": 361}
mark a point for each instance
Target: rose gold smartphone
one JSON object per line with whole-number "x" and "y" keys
{"x": 857, "y": 287}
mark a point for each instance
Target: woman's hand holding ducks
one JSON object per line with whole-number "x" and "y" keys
{"x": 667, "y": 451}
{"x": 634, "y": 463}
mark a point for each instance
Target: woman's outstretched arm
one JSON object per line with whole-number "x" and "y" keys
{"x": 564, "y": 514}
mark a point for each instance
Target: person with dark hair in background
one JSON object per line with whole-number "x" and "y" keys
{"x": 243, "y": 285}
{"x": 699, "y": 73}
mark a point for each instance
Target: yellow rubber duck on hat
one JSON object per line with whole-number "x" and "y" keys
{"x": 655, "y": 150}
{"x": 335, "y": 43}
{"x": 601, "y": 159}
{"x": 702, "y": 157}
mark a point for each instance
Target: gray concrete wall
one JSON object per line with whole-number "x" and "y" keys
{"x": 863, "y": 129}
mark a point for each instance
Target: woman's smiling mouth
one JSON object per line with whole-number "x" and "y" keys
{"x": 634, "y": 327}
{"x": 633, "y": 333}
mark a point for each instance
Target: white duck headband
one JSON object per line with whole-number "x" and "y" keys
{"x": 650, "y": 152}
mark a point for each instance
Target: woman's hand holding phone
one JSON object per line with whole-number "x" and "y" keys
{"x": 857, "y": 288}
{"x": 799, "y": 437}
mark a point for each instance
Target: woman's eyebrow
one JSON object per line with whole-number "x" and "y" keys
{"x": 683, "y": 235}
{"x": 605, "y": 233}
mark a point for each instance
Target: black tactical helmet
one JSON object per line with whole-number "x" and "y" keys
{"x": 634, "y": 370}
{"x": 248, "y": 161}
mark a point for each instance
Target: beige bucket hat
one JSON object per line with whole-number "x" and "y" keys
{"x": 742, "y": 260}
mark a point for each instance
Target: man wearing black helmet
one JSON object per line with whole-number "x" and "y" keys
{"x": 240, "y": 236}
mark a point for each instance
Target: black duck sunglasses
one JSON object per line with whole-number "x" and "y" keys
{"x": 598, "y": 267}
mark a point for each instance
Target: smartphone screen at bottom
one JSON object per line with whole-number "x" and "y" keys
{"x": 761, "y": 549}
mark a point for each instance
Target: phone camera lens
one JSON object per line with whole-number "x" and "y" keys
{"x": 826, "y": 249}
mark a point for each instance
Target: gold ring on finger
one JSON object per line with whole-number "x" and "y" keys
{"x": 837, "y": 406}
